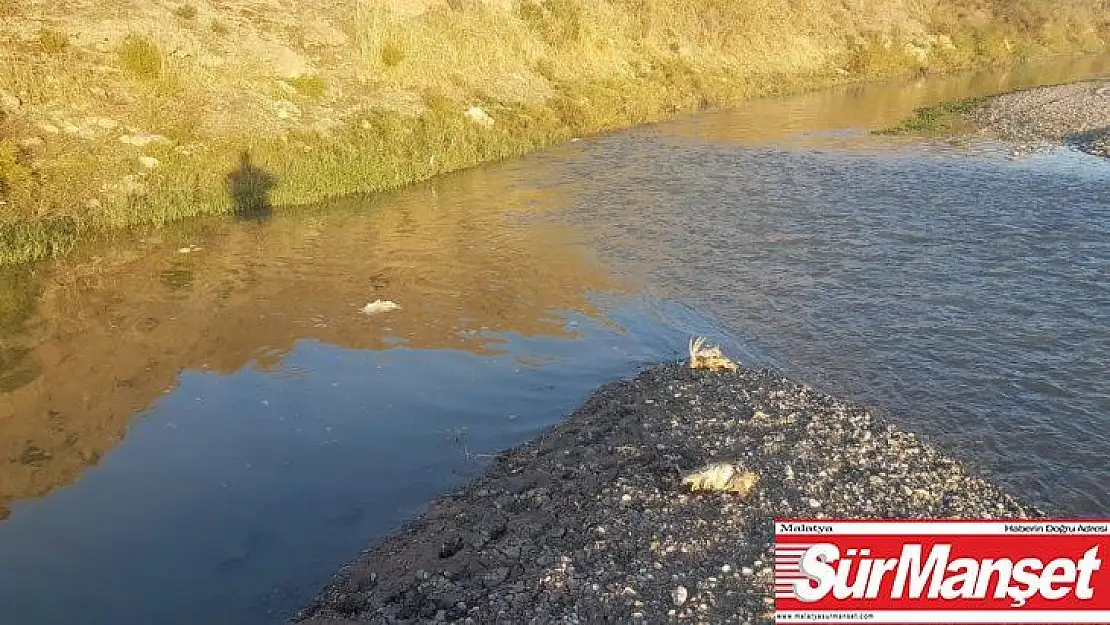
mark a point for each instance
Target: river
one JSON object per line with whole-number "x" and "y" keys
{"x": 199, "y": 425}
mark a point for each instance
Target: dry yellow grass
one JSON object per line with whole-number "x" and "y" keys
{"x": 129, "y": 112}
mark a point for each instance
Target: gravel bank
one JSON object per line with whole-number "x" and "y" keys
{"x": 589, "y": 522}
{"x": 1074, "y": 114}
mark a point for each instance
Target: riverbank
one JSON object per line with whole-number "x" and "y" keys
{"x": 1076, "y": 114}
{"x": 129, "y": 113}
{"x": 590, "y": 522}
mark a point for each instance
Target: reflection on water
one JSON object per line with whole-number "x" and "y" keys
{"x": 199, "y": 426}
{"x": 807, "y": 121}
{"x": 111, "y": 333}
{"x": 271, "y": 426}
{"x": 249, "y": 187}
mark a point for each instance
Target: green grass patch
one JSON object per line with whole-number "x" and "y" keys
{"x": 309, "y": 86}
{"x": 141, "y": 58}
{"x": 186, "y": 12}
{"x": 16, "y": 181}
{"x": 392, "y": 53}
{"x": 559, "y": 22}
{"x": 52, "y": 41}
{"x": 935, "y": 119}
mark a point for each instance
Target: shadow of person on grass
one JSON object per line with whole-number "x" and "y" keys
{"x": 249, "y": 187}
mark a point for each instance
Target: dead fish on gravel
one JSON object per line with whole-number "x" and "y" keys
{"x": 721, "y": 477}
{"x": 708, "y": 357}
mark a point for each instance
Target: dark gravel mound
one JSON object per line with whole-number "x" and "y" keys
{"x": 589, "y": 523}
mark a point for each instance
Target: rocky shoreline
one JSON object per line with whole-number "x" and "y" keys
{"x": 590, "y": 522}
{"x": 1073, "y": 114}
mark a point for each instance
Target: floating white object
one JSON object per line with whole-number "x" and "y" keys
{"x": 380, "y": 306}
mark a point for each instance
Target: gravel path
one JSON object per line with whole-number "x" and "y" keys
{"x": 1076, "y": 114}
{"x": 589, "y": 523}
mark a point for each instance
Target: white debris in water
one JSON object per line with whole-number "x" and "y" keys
{"x": 478, "y": 116}
{"x": 380, "y": 306}
{"x": 188, "y": 249}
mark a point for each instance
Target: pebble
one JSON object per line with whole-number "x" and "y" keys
{"x": 679, "y": 595}
{"x": 478, "y": 116}
{"x": 141, "y": 140}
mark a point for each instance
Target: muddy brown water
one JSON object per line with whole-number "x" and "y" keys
{"x": 204, "y": 436}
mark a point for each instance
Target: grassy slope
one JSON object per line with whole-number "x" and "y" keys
{"x": 361, "y": 95}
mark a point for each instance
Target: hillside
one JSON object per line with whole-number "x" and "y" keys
{"x": 124, "y": 112}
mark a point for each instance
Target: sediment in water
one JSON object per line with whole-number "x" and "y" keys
{"x": 590, "y": 523}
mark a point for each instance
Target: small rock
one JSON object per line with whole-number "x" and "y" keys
{"x": 813, "y": 503}
{"x": 478, "y": 116}
{"x": 149, "y": 162}
{"x": 107, "y": 123}
{"x": 9, "y": 101}
{"x": 130, "y": 185}
{"x": 285, "y": 109}
{"x": 496, "y": 576}
{"x": 141, "y": 140}
{"x": 679, "y": 595}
